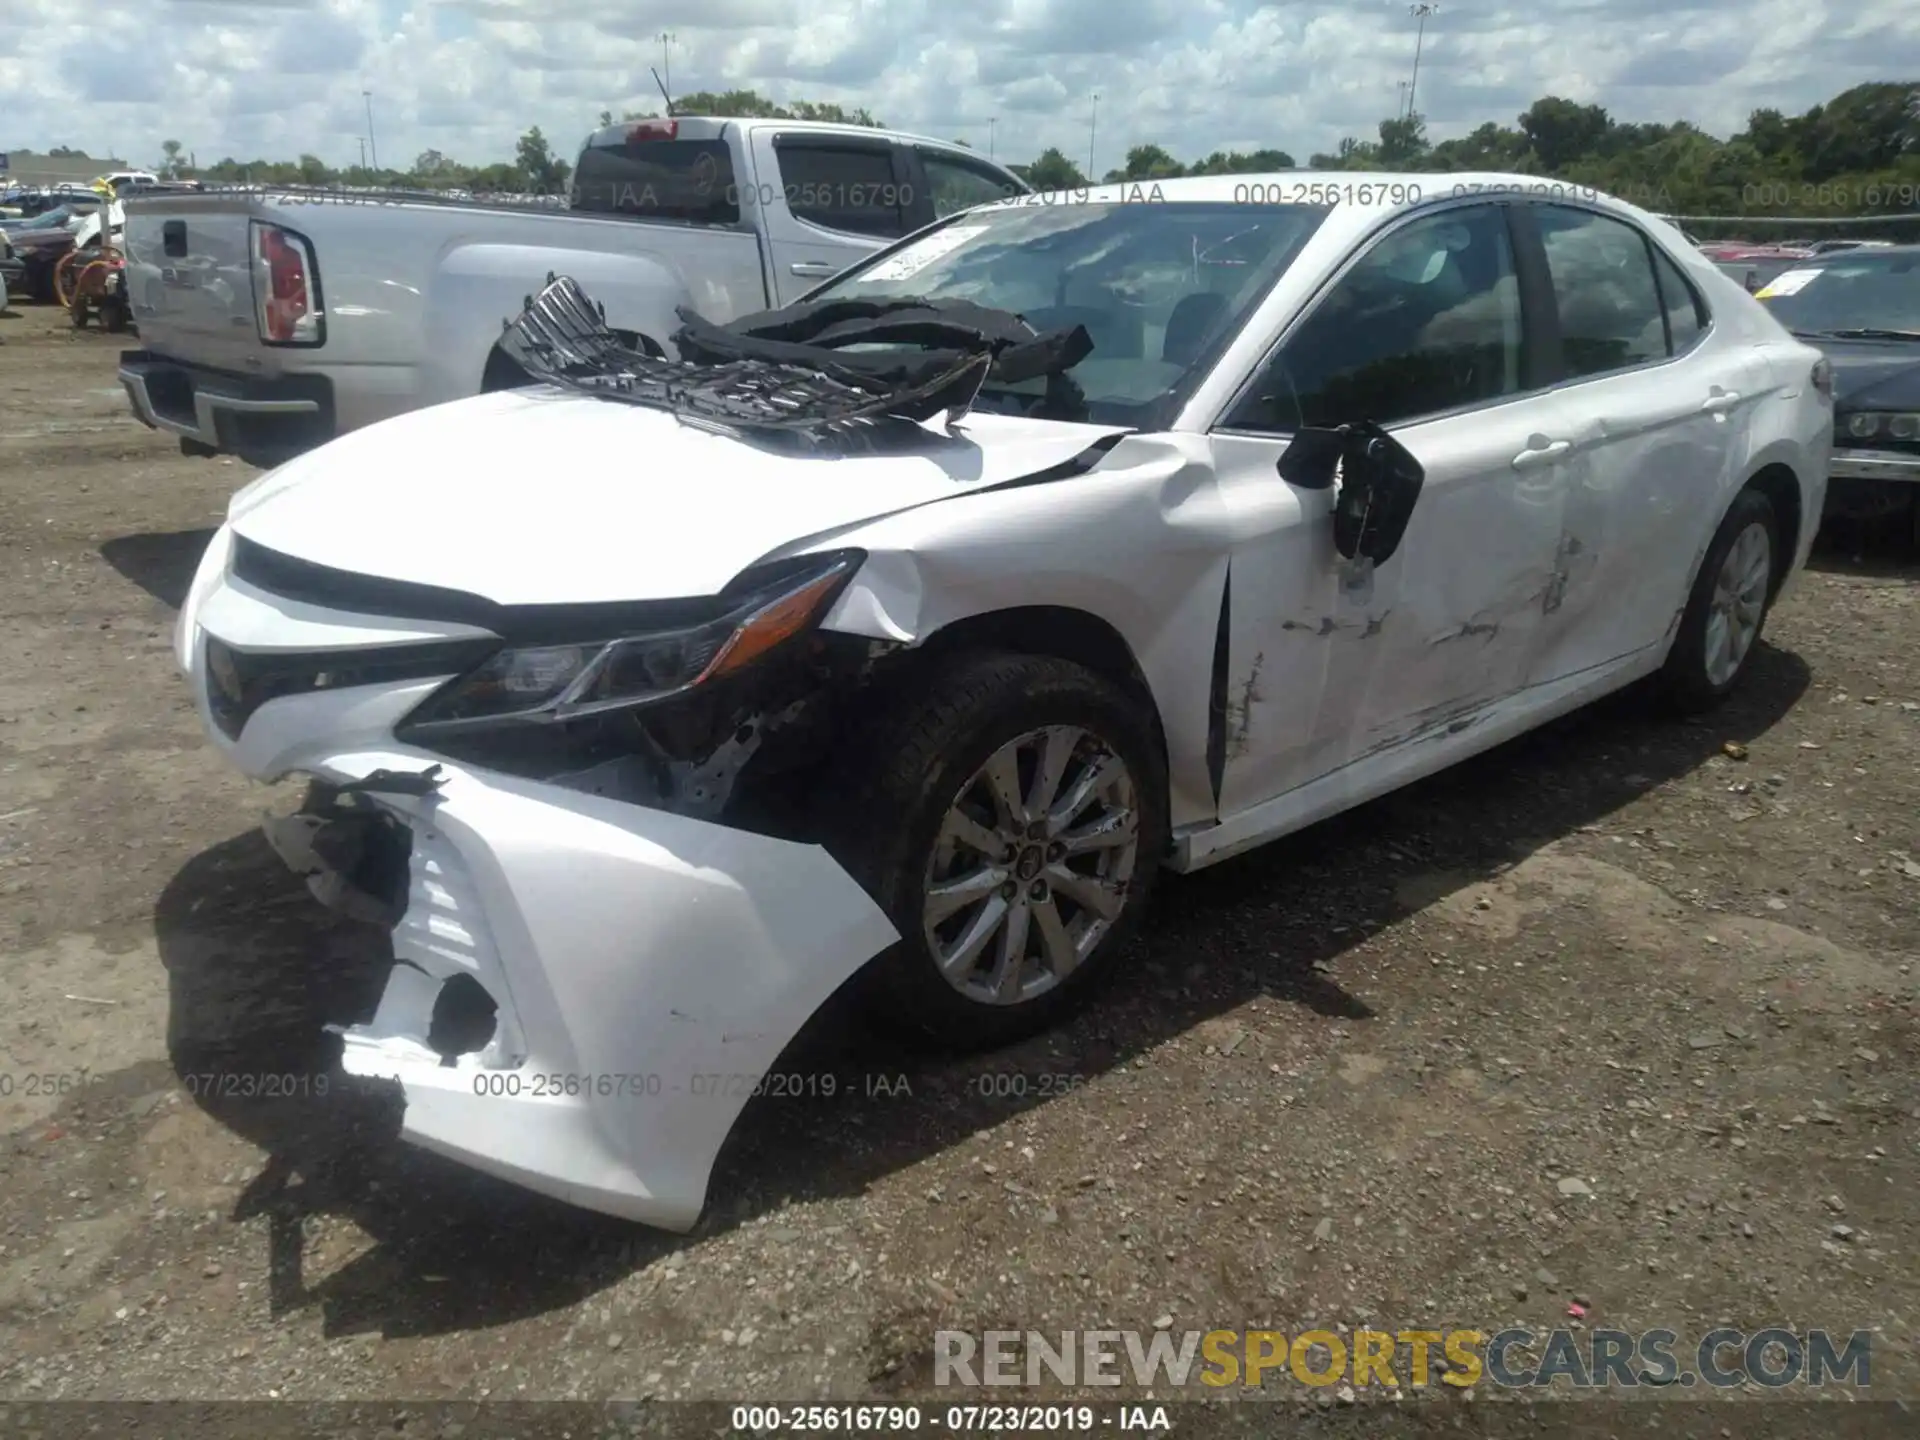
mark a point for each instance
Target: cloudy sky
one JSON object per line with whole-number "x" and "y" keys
{"x": 273, "y": 78}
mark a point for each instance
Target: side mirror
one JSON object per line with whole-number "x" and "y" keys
{"x": 1379, "y": 483}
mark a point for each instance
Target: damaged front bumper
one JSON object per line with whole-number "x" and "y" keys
{"x": 643, "y": 970}
{"x": 584, "y": 990}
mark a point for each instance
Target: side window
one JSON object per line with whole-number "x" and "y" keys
{"x": 1686, "y": 315}
{"x": 958, "y": 185}
{"x": 1428, "y": 320}
{"x": 842, "y": 187}
{"x": 1603, "y": 286}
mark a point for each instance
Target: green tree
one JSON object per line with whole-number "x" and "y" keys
{"x": 1233, "y": 162}
{"x": 1562, "y": 131}
{"x": 1051, "y": 171}
{"x": 750, "y": 104}
{"x": 1147, "y": 162}
{"x": 541, "y": 171}
{"x": 1403, "y": 142}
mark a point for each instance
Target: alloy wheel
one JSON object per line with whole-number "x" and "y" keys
{"x": 1031, "y": 865}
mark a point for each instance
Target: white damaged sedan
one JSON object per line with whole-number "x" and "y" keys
{"x": 907, "y": 632}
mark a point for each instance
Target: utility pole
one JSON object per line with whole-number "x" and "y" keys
{"x": 1093, "y": 117}
{"x": 1422, "y": 11}
{"x": 372, "y": 148}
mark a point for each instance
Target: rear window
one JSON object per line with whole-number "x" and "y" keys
{"x": 690, "y": 180}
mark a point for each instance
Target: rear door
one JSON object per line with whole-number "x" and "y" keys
{"x": 945, "y": 181}
{"x": 827, "y": 200}
{"x": 1655, "y": 404}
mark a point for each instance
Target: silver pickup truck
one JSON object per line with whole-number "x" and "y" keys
{"x": 275, "y": 319}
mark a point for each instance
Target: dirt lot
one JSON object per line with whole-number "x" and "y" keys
{"x": 1607, "y": 1016}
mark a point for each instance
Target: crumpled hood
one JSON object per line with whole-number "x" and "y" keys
{"x": 533, "y": 497}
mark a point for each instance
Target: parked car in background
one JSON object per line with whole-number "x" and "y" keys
{"x": 12, "y": 270}
{"x": 1755, "y": 272}
{"x": 1862, "y": 308}
{"x": 274, "y": 320}
{"x": 1828, "y": 247}
{"x": 650, "y": 705}
{"x": 40, "y": 242}
{"x": 24, "y": 204}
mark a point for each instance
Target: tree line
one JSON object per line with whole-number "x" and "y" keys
{"x": 1858, "y": 154}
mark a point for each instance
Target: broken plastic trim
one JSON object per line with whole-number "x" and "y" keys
{"x": 790, "y": 371}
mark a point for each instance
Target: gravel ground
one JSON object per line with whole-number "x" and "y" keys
{"x": 1621, "y": 1014}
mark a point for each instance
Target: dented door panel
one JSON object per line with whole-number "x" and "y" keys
{"x": 1340, "y": 663}
{"x": 1649, "y": 474}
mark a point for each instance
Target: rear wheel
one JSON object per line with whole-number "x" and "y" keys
{"x": 1728, "y": 608}
{"x": 1010, "y": 823}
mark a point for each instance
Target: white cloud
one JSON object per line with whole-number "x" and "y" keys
{"x": 275, "y": 78}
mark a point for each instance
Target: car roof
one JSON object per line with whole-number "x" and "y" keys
{"x": 1377, "y": 191}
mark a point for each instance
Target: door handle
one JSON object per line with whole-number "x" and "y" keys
{"x": 1540, "y": 454}
{"x": 1719, "y": 401}
{"x": 813, "y": 267}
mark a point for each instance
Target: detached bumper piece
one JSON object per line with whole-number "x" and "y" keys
{"x": 263, "y": 421}
{"x": 583, "y": 989}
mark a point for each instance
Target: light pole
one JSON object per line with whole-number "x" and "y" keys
{"x": 372, "y": 148}
{"x": 992, "y": 120}
{"x": 666, "y": 61}
{"x": 1402, "y": 111}
{"x": 363, "y": 152}
{"x": 1422, "y": 11}
{"x": 1093, "y": 119}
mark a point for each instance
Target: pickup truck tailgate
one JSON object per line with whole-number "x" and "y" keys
{"x": 190, "y": 276}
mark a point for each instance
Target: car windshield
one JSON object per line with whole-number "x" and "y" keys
{"x": 1850, "y": 290}
{"x": 1160, "y": 286}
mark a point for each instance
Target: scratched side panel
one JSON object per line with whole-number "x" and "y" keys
{"x": 1331, "y": 663}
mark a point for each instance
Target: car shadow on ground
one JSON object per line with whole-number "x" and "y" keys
{"x": 160, "y": 564}
{"x": 255, "y": 968}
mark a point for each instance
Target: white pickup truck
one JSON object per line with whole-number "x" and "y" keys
{"x": 275, "y": 319}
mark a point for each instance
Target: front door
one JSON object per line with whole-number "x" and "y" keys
{"x": 1424, "y": 334}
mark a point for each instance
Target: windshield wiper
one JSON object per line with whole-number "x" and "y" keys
{"x": 1863, "y": 332}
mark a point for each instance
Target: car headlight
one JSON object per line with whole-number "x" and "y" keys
{"x": 758, "y": 613}
{"x": 1893, "y": 424}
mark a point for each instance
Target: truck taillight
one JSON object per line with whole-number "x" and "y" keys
{"x": 286, "y": 290}
{"x": 653, "y": 130}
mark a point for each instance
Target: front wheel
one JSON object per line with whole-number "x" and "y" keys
{"x": 1010, "y": 824}
{"x": 1728, "y": 608}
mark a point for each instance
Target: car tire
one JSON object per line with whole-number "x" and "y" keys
{"x": 918, "y": 780}
{"x": 1728, "y": 607}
